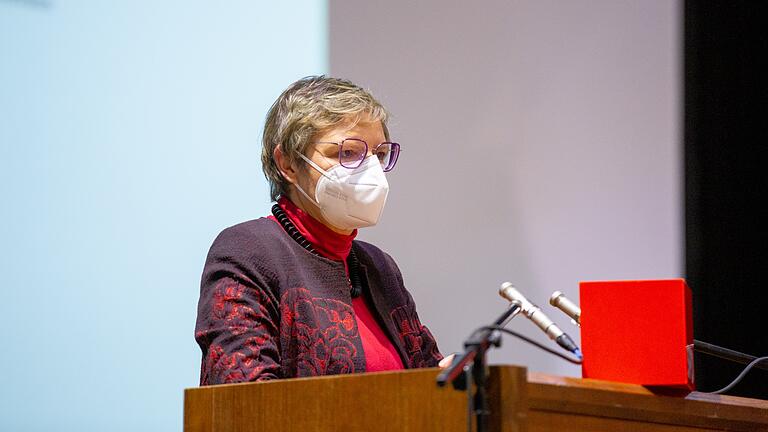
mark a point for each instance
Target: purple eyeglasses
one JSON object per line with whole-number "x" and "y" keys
{"x": 352, "y": 152}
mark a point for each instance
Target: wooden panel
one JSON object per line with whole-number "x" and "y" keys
{"x": 411, "y": 401}
{"x": 198, "y": 407}
{"x": 636, "y": 403}
{"x": 556, "y": 422}
{"x": 387, "y": 401}
{"x": 507, "y": 388}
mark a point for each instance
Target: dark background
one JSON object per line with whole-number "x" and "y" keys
{"x": 726, "y": 46}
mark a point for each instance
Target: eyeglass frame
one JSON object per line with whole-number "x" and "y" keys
{"x": 360, "y": 162}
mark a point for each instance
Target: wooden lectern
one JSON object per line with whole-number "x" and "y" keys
{"x": 411, "y": 401}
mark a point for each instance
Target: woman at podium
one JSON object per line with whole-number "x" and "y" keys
{"x": 294, "y": 294}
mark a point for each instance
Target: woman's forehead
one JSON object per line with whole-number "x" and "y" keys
{"x": 365, "y": 127}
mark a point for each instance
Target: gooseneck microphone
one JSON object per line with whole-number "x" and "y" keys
{"x": 538, "y": 317}
{"x": 560, "y": 301}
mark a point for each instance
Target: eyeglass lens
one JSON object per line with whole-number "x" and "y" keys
{"x": 352, "y": 152}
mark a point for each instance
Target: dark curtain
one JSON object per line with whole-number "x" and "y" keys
{"x": 726, "y": 184}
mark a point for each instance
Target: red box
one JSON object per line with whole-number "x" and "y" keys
{"x": 638, "y": 332}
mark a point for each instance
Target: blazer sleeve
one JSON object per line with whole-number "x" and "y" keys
{"x": 421, "y": 343}
{"x": 418, "y": 340}
{"x": 237, "y": 324}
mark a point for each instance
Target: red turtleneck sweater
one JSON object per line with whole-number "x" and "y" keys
{"x": 380, "y": 353}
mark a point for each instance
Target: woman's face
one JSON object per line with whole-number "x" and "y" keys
{"x": 327, "y": 155}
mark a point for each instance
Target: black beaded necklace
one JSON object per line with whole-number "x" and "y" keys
{"x": 356, "y": 287}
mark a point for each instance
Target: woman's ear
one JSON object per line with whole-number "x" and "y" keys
{"x": 283, "y": 162}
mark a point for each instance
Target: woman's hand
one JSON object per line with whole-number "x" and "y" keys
{"x": 446, "y": 361}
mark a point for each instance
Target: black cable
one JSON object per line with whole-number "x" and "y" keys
{"x": 741, "y": 375}
{"x": 729, "y": 387}
{"x": 530, "y": 341}
{"x": 730, "y": 355}
{"x": 725, "y": 353}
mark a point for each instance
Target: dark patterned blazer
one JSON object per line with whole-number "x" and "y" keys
{"x": 271, "y": 309}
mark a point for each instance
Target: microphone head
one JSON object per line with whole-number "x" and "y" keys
{"x": 554, "y": 298}
{"x": 561, "y": 302}
{"x": 509, "y": 292}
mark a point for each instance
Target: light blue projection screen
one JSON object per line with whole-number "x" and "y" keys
{"x": 129, "y": 137}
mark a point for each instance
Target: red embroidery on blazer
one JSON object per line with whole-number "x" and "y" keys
{"x": 244, "y": 350}
{"x": 317, "y": 334}
{"x": 419, "y": 343}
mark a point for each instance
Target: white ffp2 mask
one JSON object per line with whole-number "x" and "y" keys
{"x": 350, "y": 198}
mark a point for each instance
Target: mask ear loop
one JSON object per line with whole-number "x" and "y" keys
{"x": 315, "y": 166}
{"x": 307, "y": 196}
{"x": 320, "y": 170}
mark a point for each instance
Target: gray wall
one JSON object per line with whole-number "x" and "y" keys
{"x": 541, "y": 146}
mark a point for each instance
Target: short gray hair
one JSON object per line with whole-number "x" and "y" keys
{"x": 311, "y": 105}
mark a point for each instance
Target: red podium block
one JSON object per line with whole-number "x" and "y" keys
{"x": 638, "y": 332}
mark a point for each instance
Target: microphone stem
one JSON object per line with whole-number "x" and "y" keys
{"x": 511, "y": 312}
{"x": 476, "y": 344}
